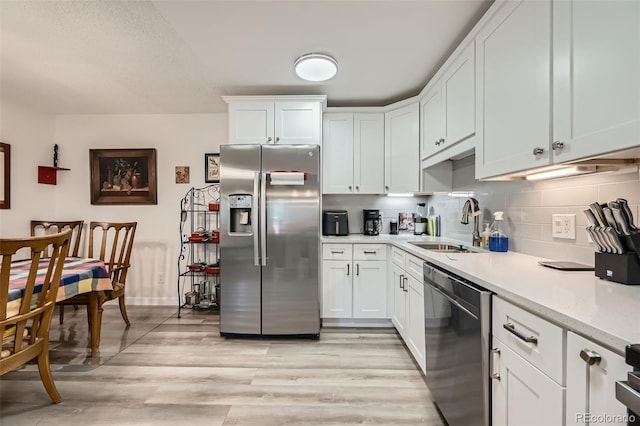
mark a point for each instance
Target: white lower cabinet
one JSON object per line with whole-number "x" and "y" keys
{"x": 337, "y": 289}
{"x": 415, "y": 331}
{"x": 408, "y": 314}
{"x": 399, "y": 315}
{"x": 527, "y": 368}
{"x": 592, "y": 372}
{"x": 354, "y": 281}
{"x": 522, "y": 394}
{"x": 370, "y": 289}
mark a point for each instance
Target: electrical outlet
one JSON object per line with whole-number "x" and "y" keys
{"x": 563, "y": 226}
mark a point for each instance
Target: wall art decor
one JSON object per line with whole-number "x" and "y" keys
{"x": 5, "y": 175}
{"x": 182, "y": 174}
{"x": 212, "y": 168}
{"x": 123, "y": 176}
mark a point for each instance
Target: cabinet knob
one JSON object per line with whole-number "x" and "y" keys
{"x": 557, "y": 145}
{"x": 349, "y": 187}
{"x": 386, "y": 187}
{"x": 269, "y": 139}
{"x": 357, "y": 188}
{"x": 538, "y": 150}
{"x": 437, "y": 142}
{"x": 590, "y": 357}
{"x": 441, "y": 140}
{"x": 277, "y": 139}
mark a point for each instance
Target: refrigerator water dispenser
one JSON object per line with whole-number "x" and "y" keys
{"x": 240, "y": 213}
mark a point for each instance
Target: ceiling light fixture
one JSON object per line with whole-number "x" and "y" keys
{"x": 316, "y": 67}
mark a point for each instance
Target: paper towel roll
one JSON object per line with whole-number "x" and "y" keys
{"x": 287, "y": 178}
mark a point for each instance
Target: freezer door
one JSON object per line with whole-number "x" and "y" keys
{"x": 239, "y": 273}
{"x": 290, "y": 277}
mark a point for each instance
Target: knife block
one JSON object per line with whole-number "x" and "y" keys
{"x": 621, "y": 268}
{"x": 631, "y": 242}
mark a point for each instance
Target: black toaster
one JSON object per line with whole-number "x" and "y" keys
{"x": 335, "y": 222}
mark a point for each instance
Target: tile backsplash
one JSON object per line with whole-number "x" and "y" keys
{"x": 528, "y": 207}
{"x": 388, "y": 206}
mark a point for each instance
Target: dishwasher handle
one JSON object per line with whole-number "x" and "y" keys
{"x": 453, "y": 301}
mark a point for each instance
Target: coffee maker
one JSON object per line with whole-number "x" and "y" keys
{"x": 372, "y": 222}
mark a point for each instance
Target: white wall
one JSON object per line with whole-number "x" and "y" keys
{"x": 528, "y": 207}
{"x": 180, "y": 140}
{"x": 31, "y": 135}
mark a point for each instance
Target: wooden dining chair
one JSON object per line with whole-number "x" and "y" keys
{"x": 111, "y": 242}
{"x": 25, "y": 318}
{"x": 46, "y": 227}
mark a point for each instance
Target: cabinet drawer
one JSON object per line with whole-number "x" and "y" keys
{"x": 546, "y": 350}
{"x": 336, "y": 251}
{"x": 398, "y": 256}
{"x": 369, "y": 252}
{"x": 413, "y": 266}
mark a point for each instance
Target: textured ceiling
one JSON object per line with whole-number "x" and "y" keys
{"x": 177, "y": 56}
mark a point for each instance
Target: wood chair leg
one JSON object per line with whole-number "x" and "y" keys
{"x": 45, "y": 375}
{"x": 61, "y": 311}
{"x": 123, "y": 310}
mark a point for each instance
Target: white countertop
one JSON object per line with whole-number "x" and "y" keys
{"x": 604, "y": 311}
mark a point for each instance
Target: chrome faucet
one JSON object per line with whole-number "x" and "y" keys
{"x": 472, "y": 208}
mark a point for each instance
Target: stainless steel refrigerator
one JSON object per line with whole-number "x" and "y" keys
{"x": 269, "y": 240}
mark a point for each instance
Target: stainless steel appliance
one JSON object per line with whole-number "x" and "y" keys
{"x": 628, "y": 392}
{"x": 372, "y": 222}
{"x": 269, "y": 239}
{"x": 457, "y": 338}
{"x": 335, "y": 222}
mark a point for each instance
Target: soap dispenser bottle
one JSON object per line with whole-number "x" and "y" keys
{"x": 498, "y": 240}
{"x": 484, "y": 241}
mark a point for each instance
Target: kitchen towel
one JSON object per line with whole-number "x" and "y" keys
{"x": 287, "y": 178}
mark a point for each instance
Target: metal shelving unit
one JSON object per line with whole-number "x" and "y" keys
{"x": 199, "y": 259}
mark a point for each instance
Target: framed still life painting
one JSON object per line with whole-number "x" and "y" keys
{"x": 123, "y": 176}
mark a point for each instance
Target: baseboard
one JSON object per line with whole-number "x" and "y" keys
{"x": 357, "y": 322}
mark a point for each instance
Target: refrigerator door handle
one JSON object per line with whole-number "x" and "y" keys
{"x": 263, "y": 218}
{"x": 254, "y": 219}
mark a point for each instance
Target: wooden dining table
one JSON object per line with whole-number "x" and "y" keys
{"x": 79, "y": 276}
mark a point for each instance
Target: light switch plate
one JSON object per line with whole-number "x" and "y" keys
{"x": 563, "y": 226}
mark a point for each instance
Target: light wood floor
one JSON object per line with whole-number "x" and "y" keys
{"x": 169, "y": 371}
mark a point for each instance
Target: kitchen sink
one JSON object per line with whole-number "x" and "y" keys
{"x": 444, "y": 248}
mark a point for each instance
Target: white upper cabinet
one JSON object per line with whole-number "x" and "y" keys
{"x": 458, "y": 98}
{"x": 402, "y": 146}
{"x": 368, "y": 154}
{"x": 447, "y": 111}
{"x": 337, "y": 153}
{"x": 353, "y": 153}
{"x": 513, "y": 88}
{"x": 431, "y": 121}
{"x": 275, "y": 120}
{"x": 596, "y": 81}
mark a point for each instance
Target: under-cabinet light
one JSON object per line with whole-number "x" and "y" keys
{"x": 566, "y": 171}
{"x": 400, "y": 194}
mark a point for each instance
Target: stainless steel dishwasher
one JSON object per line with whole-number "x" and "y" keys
{"x": 457, "y": 337}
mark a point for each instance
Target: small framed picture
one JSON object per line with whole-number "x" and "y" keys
{"x": 182, "y": 174}
{"x": 212, "y": 168}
